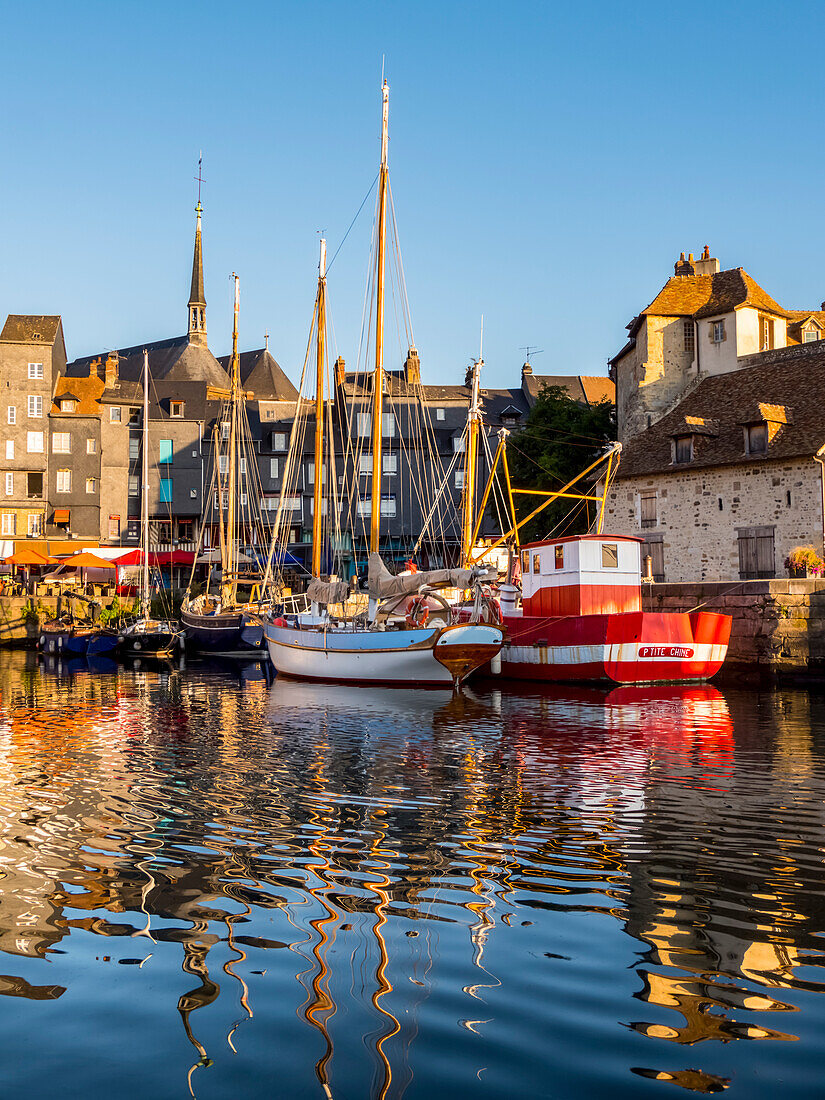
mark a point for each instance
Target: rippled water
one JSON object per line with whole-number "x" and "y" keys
{"x": 218, "y": 887}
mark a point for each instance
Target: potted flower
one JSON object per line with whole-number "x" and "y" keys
{"x": 803, "y": 561}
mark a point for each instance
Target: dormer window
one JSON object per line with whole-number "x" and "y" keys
{"x": 68, "y": 405}
{"x": 683, "y": 449}
{"x": 810, "y": 334}
{"x": 717, "y": 332}
{"x": 756, "y": 439}
{"x": 765, "y": 333}
{"x": 176, "y": 408}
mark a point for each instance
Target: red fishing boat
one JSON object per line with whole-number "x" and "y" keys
{"x": 581, "y": 618}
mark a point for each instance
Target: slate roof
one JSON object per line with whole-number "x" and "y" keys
{"x": 263, "y": 375}
{"x": 30, "y": 328}
{"x": 725, "y": 402}
{"x": 586, "y": 389}
{"x": 173, "y": 360}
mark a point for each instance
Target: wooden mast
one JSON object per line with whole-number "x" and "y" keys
{"x": 229, "y": 566}
{"x": 319, "y": 411}
{"x": 470, "y": 458}
{"x": 144, "y": 503}
{"x": 378, "y": 376}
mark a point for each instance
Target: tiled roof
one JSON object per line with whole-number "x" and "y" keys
{"x": 725, "y": 402}
{"x": 86, "y": 392}
{"x": 587, "y": 389}
{"x": 798, "y": 317}
{"x": 25, "y": 328}
{"x": 709, "y": 295}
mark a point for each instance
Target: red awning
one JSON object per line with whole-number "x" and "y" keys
{"x": 61, "y": 515}
{"x": 172, "y": 557}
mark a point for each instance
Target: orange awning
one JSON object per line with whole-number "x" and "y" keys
{"x": 61, "y": 515}
{"x": 85, "y": 560}
{"x": 28, "y": 556}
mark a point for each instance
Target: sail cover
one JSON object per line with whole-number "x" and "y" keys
{"x": 383, "y": 585}
{"x": 327, "y": 591}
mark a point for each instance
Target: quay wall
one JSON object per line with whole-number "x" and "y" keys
{"x": 18, "y": 626}
{"x": 778, "y": 625}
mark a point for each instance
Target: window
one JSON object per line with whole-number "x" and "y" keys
{"x": 439, "y": 414}
{"x": 134, "y": 418}
{"x": 244, "y": 500}
{"x": 11, "y": 414}
{"x": 34, "y": 442}
{"x": 363, "y": 424}
{"x": 388, "y": 424}
{"x": 559, "y": 556}
{"x": 292, "y": 504}
{"x": 35, "y": 525}
{"x": 278, "y": 441}
{"x": 717, "y": 331}
{"x": 364, "y": 506}
{"x": 91, "y": 446}
{"x": 7, "y": 525}
{"x": 9, "y": 448}
{"x": 536, "y": 563}
{"x": 809, "y": 335}
{"x": 273, "y": 467}
{"x": 225, "y": 430}
{"x": 134, "y": 448}
{"x": 114, "y": 527}
{"x": 459, "y": 479}
{"x": 765, "y": 333}
{"x": 34, "y": 486}
{"x": 647, "y": 511}
{"x": 654, "y": 548}
{"x": 610, "y": 555}
{"x": 756, "y": 552}
{"x": 176, "y": 408}
{"x": 390, "y": 464}
{"x": 684, "y": 448}
{"x": 61, "y": 443}
{"x": 114, "y": 414}
{"x": 165, "y": 450}
{"x": 458, "y": 443}
{"x": 9, "y": 484}
{"x": 365, "y": 464}
{"x": 310, "y": 475}
{"x": 68, "y": 405}
{"x": 91, "y": 484}
{"x": 525, "y": 561}
{"x": 35, "y": 405}
{"x": 756, "y": 439}
{"x": 387, "y": 505}
{"x": 35, "y": 370}
{"x": 64, "y": 481}
{"x": 165, "y": 490}
{"x": 688, "y": 334}
{"x": 223, "y": 464}
{"x": 312, "y": 507}
{"x": 133, "y": 529}
{"x": 134, "y": 485}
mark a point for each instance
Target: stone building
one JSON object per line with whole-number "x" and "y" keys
{"x": 702, "y": 322}
{"x": 729, "y": 481}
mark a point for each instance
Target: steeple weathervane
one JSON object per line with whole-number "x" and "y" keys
{"x": 197, "y": 299}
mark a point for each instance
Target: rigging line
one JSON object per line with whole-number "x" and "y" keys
{"x": 560, "y": 436}
{"x": 352, "y": 223}
{"x": 400, "y": 262}
{"x": 544, "y": 470}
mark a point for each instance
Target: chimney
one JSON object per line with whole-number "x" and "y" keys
{"x": 706, "y": 264}
{"x": 95, "y": 368}
{"x": 112, "y": 361}
{"x": 412, "y": 367}
{"x": 684, "y": 266}
{"x": 340, "y": 371}
{"x": 526, "y": 371}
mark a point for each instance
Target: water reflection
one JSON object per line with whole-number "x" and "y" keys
{"x": 417, "y": 894}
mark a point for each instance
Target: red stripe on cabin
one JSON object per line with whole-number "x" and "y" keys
{"x": 584, "y": 599}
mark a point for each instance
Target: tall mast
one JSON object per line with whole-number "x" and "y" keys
{"x": 378, "y": 377}
{"x": 473, "y": 423}
{"x": 144, "y": 502}
{"x": 319, "y": 410}
{"x": 229, "y": 566}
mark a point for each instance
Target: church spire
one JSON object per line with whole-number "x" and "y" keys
{"x": 197, "y": 300}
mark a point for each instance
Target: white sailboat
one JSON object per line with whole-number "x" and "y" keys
{"x": 147, "y": 637}
{"x": 393, "y": 641}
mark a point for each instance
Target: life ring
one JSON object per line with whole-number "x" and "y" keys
{"x": 418, "y": 612}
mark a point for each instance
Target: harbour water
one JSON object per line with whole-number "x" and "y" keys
{"x": 221, "y": 887}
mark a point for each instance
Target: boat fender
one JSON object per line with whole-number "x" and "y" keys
{"x": 137, "y": 646}
{"x": 279, "y": 622}
{"x": 418, "y": 612}
{"x": 492, "y": 610}
{"x": 495, "y": 664}
{"x": 42, "y": 639}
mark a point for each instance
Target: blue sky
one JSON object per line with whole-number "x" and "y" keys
{"x": 548, "y": 162}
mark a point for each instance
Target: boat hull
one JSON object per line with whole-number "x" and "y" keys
{"x": 426, "y": 657}
{"x": 226, "y": 632}
{"x": 630, "y": 648}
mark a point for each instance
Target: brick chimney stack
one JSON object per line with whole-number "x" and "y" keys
{"x": 412, "y": 367}
{"x": 340, "y": 371}
{"x": 526, "y": 371}
{"x": 706, "y": 264}
{"x": 111, "y": 373}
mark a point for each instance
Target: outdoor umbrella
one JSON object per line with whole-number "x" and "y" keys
{"x": 85, "y": 560}
{"x": 27, "y": 556}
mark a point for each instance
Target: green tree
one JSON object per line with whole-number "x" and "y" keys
{"x": 560, "y": 439}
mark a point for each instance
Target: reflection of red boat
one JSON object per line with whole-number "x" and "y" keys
{"x": 581, "y": 619}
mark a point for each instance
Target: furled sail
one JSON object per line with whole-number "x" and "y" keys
{"x": 383, "y": 585}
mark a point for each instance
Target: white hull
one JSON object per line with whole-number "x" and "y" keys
{"x": 377, "y": 656}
